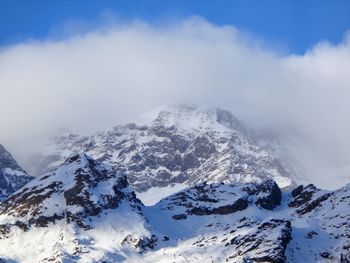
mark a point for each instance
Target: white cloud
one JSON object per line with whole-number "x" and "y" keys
{"x": 90, "y": 81}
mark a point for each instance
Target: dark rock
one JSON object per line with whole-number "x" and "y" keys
{"x": 86, "y": 176}
{"x": 5, "y": 231}
{"x": 302, "y": 195}
{"x": 12, "y": 176}
{"x": 297, "y": 191}
{"x": 313, "y": 204}
{"x": 142, "y": 244}
{"x": 270, "y": 250}
{"x": 239, "y": 205}
{"x": 268, "y": 195}
{"x": 311, "y": 234}
{"x": 325, "y": 254}
{"x": 180, "y": 217}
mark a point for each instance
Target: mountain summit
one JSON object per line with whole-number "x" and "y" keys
{"x": 188, "y": 117}
{"x": 176, "y": 145}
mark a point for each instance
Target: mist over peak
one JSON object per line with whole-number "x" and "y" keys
{"x": 95, "y": 80}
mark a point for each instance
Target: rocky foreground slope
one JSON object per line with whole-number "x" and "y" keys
{"x": 80, "y": 211}
{"x": 85, "y": 211}
{"x": 12, "y": 176}
{"x": 182, "y": 144}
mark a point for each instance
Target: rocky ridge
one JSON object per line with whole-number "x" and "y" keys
{"x": 80, "y": 203}
{"x": 181, "y": 144}
{"x": 85, "y": 211}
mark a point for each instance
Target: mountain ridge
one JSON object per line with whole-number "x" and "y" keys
{"x": 176, "y": 145}
{"x": 93, "y": 215}
{"x": 80, "y": 202}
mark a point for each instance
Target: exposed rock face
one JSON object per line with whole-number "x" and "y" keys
{"x": 308, "y": 198}
{"x": 222, "y": 214}
{"x": 141, "y": 244}
{"x": 76, "y": 201}
{"x": 301, "y": 195}
{"x": 222, "y": 199}
{"x": 176, "y": 144}
{"x": 12, "y": 176}
{"x": 328, "y": 215}
{"x": 85, "y": 211}
{"x": 269, "y": 195}
{"x": 267, "y": 242}
{"x": 255, "y": 224}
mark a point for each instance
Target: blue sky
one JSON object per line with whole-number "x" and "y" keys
{"x": 296, "y": 25}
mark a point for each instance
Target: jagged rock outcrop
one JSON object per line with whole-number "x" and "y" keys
{"x": 222, "y": 199}
{"x": 267, "y": 242}
{"x": 12, "y": 176}
{"x": 306, "y": 199}
{"x": 70, "y": 211}
{"x": 268, "y": 195}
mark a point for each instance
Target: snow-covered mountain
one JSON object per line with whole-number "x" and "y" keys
{"x": 12, "y": 176}
{"x": 81, "y": 211}
{"x": 85, "y": 211}
{"x": 175, "y": 145}
{"x": 254, "y": 223}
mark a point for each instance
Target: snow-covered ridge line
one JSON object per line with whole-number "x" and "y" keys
{"x": 85, "y": 211}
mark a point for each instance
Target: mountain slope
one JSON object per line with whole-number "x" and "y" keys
{"x": 12, "y": 176}
{"x": 180, "y": 144}
{"x": 84, "y": 211}
{"x": 81, "y": 211}
{"x": 253, "y": 223}
{"x": 219, "y": 222}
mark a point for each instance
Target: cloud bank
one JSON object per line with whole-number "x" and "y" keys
{"x": 97, "y": 79}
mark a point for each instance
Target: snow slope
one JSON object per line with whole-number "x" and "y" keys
{"x": 85, "y": 211}
{"x": 82, "y": 211}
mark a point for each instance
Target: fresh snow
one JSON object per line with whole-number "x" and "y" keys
{"x": 155, "y": 194}
{"x": 205, "y": 223}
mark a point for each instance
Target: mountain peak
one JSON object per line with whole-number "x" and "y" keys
{"x": 190, "y": 116}
{"x": 12, "y": 176}
{"x": 79, "y": 188}
{"x": 176, "y": 145}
